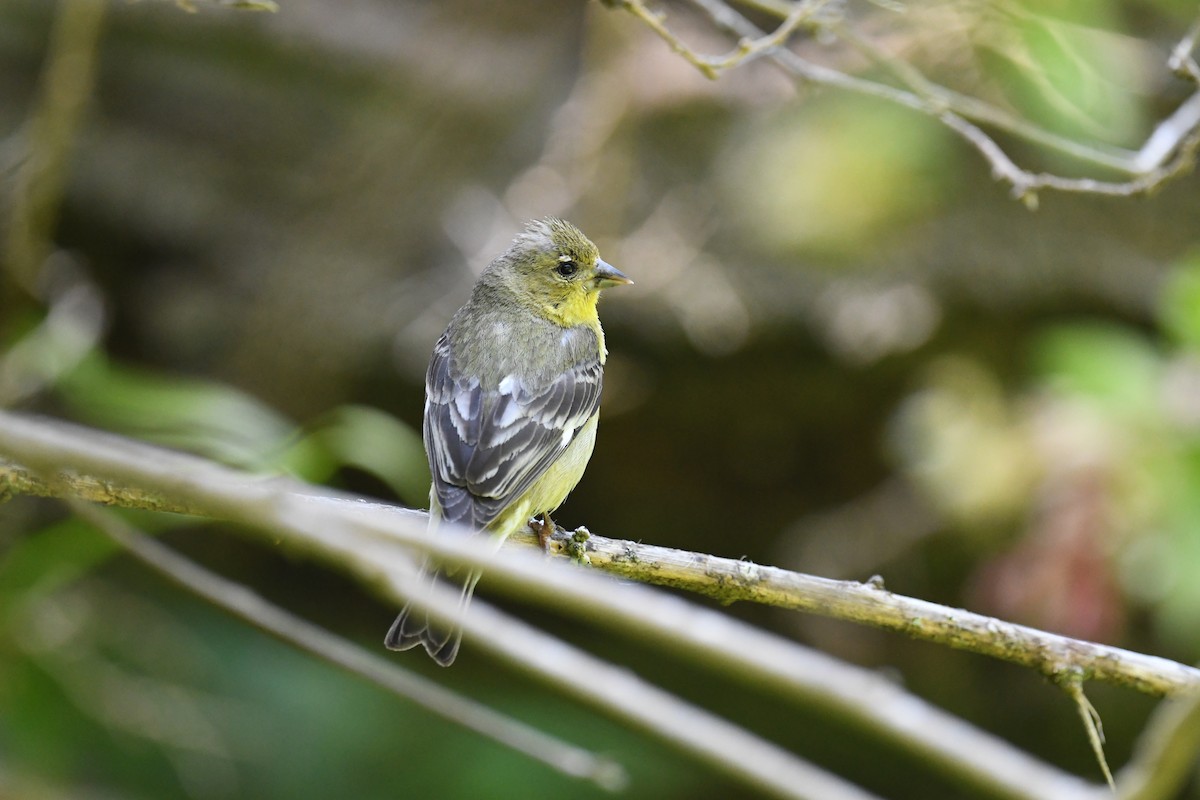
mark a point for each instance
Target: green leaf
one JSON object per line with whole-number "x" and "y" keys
{"x": 223, "y": 423}
{"x": 203, "y": 417}
{"x": 367, "y": 439}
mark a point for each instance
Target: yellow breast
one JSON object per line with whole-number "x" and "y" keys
{"x": 548, "y": 492}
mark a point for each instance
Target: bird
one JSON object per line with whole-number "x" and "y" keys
{"x": 512, "y": 401}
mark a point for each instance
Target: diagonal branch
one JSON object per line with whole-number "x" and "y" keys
{"x": 1182, "y": 60}
{"x": 375, "y": 542}
{"x": 310, "y": 521}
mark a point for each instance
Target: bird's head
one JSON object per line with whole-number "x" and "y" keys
{"x": 555, "y": 266}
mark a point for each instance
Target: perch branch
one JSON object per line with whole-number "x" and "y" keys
{"x": 730, "y": 580}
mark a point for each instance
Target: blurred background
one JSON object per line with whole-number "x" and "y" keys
{"x": 849, "y": 351}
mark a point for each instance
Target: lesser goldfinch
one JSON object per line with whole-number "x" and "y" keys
{"x": 512, "y": 397}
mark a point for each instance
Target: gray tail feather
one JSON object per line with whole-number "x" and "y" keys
{"x": 413, "y": 626}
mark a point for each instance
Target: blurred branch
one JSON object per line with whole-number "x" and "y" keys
{"x": 748, "y": 759}
{"x": 374, "y": 541}
{"x": 1168, "y": 152}
{"x": 37, "y": 191}
{"x": 240, "y": 601}
{"x": 730, "y": 580}
{"x": 43, "y": 148}
{"x": 242, "y": 5}
{"x": 1166, "y": 752}
{"x": 1182, "y": 62}
{"x": 69, "y": 331}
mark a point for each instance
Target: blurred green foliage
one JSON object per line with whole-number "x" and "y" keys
{"x": 801, "y": 177}
{"x": 1141, "y": 390}
{"x": 190, "y": 705}
{"x": 1097, "y": 456}
{"x": 229, "y": 426}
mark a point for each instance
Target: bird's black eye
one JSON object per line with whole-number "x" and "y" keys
{"x": 566, "y": 268}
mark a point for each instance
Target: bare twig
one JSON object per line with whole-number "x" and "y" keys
{"x": 726, "y": 747}
{"x": 748, "y": 48}
{"x": 1167, "y": 153}
{"x": 1089, "y": 717}
{"x": 365, "y": 539}
{"x": 723, "y": 745}
{"x": 939, "y": 98}
{"x": 1182, "y": 62}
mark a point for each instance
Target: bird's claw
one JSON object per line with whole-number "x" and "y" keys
{"x": 544, "y": 528}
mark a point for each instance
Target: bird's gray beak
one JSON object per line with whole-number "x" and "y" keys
{"x": 607, "y": 275}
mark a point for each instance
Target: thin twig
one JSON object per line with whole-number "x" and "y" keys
{"x": 1182, "y": 62}
{"x": 1150, "y": 166}
{"x": 940, "y": 98}
{"x": 721, "y": 744}
{"x": 748, "y": 49}
{"x": 374, "y": 541}
{"x": 1167, "y": 153}
{"x": 1093, "y": 726}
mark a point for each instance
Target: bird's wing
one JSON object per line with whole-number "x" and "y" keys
{"x": 487, "y": 446}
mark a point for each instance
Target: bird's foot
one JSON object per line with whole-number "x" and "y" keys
{"x": 544, "y": 528}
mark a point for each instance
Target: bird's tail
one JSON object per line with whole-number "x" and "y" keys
{"x": 413, "y": 626}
